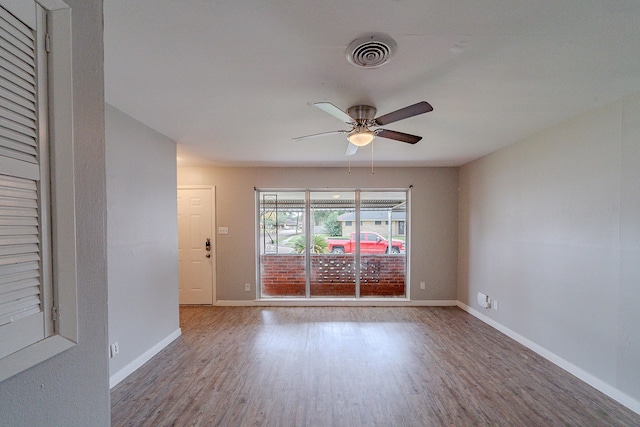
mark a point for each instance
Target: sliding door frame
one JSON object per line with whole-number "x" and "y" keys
{"x": 308, "y": 227}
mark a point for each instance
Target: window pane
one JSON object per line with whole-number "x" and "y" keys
{"x": 282, "y": 244}
{"x": 382, "y": 265}
{"x": 332, "y": 255}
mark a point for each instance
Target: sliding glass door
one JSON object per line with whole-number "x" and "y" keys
{"x": 383, "y": 244}
{"x": 332, "y": 266}
{"x": 332, "y": 243}
{"x": 282, "y": 244}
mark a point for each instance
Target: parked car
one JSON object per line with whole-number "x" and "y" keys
{"x": 370, "y": 243}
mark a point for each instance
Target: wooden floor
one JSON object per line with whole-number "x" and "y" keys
{"x": 353, "y": 366}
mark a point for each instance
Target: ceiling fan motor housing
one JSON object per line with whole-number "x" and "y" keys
{"x": 362, "y": 113}
{"x": 371, "y": 51}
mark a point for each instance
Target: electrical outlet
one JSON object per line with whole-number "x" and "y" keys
{"x": 247, "y": 287}
{"x": 484, "y": 300}
{"x": 423, "y": 285}
{"x": 114, "y": 349}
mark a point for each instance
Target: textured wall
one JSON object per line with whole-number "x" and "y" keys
{"x": 434, "y": 213}
{"x": 142, "y": 237}
{"x": 550, "y": 227}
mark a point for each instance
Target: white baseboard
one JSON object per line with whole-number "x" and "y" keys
{"x": 142, "y": 359}
{"x": 336, "y": 302}
{"x": 594, "y": 382}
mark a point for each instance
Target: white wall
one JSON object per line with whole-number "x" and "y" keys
{"x": 550, "y": 227}
{"x": 72, "y": 388}
{"x": 434, "y": 202}
{"x": 142, "y": 239}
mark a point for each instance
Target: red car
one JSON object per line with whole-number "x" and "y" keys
{"x": 370, "y": 243}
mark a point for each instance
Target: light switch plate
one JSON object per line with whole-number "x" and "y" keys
{"x": 223, "y": 230}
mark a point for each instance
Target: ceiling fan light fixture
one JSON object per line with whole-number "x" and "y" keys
{"x": 361, "y": 138}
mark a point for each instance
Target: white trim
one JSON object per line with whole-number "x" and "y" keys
{"x": 61, "y": 140}
{"x": 195, "y": 187}
{"x": 588, "y": 378}
{"x": 123, "y": 373}
{"x": 33, "y": 355}
{"x": 336, "y": 302}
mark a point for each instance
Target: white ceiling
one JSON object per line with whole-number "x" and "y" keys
{"x": 233, "y": 81}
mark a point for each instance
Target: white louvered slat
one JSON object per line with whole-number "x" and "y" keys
{"x": 18, "y": 87}
{"x": 19, "y": 69}
{"x": 14, "y": 115}
{"x": 18, "y": 240}
{"x": 22, "y": 306}
{"x": 17, "y": 258}
{"x": 18, "y": 203}
{"x": 5, "y": 93}
{"x": 17, "y": 125}
{"x": 18, "y": 230}
{"x": 19, "y": 289}
{"x": 18, "y": 249}
{"x": 21, "y": 114}
{"x": 11, "y": 46}
{"x": 18, "y": 221}
{"x": 12, "y": 136}
{"x": 17, "y": 29}
{"x": 17, "y": 278}
{"x": 17, "y": 183}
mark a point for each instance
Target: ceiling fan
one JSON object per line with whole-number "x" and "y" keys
{"x": 362, "y": 118}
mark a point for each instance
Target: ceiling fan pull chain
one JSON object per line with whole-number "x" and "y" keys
{"x": 372, "y": 173}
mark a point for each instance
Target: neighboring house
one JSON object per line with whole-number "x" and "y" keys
{"x": 376, "y": 221}
{"x": 291, "y": 224}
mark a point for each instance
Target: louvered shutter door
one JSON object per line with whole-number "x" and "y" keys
{"x": 21, "y": 311}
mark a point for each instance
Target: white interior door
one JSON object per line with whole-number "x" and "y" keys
{"x": 196, "y": 245}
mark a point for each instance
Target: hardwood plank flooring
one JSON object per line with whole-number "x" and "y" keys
{"x": 353, "y": 366}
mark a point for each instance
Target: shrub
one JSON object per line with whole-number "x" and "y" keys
{"x": 320, "y": 245}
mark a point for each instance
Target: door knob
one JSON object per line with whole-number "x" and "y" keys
{"x": 208, "y": 255}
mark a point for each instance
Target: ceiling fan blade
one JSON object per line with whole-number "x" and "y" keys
{"x": 335, "y": 111}
{"x": 404, "y": 113}
{"x": 316, "y": 135}
{"x": 351, "y": 149}
{"x": 398, "y": 136}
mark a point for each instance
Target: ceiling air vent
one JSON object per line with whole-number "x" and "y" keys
{"x": 371, "y": 51}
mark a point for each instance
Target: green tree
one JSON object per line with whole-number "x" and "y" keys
{"x": 319, "y": 216}
{"x": 332, "y": 225}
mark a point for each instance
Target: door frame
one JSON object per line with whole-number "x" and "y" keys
{"x": 214, "y": 237}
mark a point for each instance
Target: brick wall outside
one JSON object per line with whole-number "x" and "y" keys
{"x": 333, "y": 275}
